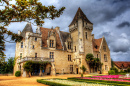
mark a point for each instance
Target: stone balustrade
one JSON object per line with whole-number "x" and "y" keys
{"x": 35, "y": 59}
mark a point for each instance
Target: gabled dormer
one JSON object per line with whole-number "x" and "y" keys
{"x": 51, "y": 40}
{"x": 69, "y": 43}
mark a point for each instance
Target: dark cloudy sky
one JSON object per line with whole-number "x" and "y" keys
{"x": 110, "y": 18}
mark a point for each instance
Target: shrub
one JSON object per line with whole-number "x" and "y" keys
{"x": 81, "y": 75}
{"x": 128, "y": 70}
{"x": 113, "y": 68}
{"x": 111, "y": 72}
{"x": 121, "y": 71}
{"x": 18, "y": 73}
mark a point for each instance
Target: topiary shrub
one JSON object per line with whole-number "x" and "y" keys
{"x": 18, "y": 73}
{"x": 113, "y": 68}
{"x": 111, "y": 72}
{"x": 81, "y": 75}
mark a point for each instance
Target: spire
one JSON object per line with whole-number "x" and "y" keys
{"x": 28, "y": 28}
{"x": 79, "y": 14}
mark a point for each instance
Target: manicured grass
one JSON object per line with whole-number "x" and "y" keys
{"x": 101, "y": 82}
{"x": 65, "y": 82}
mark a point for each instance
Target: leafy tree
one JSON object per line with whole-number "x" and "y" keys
{"x": 83, "y": 68}
{"x": 92, "y": 62}
{"x": 112, "y": 64}
{"x": 22, "y": 10}
{"x": 10, "y": 64}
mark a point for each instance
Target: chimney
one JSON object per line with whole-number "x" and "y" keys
{"x": 19, "y": 32}
{"x": 38, "y": 29}
{"x": 57, "y": 28}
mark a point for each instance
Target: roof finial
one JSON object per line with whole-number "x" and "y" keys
{"x": 52, "y": 27}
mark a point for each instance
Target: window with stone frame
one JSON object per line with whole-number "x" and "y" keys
{"x": 33, "y": 47}
{"x": 104, "y": 48}
{"x": 71, "y": 68}
{"x": 69, "y": 57}
{"x": 75, "y": 48}
{"x": 105, "y": 57}
{"x": 35, "y": 55}
{"x": 21, "y": 44}
{"x": 51, "y": 54}
{"x": 86, "y": 35}
{"x": 51, "y": 43}
{"x": 20, "y": 55}
{"x": 106, "y": 68}
{"x": 69, "y": 45}
{"x": 35, "y": 38}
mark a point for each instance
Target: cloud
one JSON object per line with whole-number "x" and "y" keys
{"x": 123, "y": 24}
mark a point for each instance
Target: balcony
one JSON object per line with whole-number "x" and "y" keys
{"x": 35, "y": 59}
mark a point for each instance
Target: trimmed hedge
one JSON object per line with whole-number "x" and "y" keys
{"x": 18, "y": 73}
{"x": 43, "y": 81}
{"x": 115, "y": 83}
{"x": 111, "y": 72}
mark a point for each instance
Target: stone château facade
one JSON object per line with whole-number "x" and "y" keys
{"x": 65, "y": 50}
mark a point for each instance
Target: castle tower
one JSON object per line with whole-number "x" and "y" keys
{"x": 80, "y": 29}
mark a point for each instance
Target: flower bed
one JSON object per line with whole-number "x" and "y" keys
{"x": 112, "y": 77}
{"x": 64, "y": 82}
{"x": 99, "y": 81}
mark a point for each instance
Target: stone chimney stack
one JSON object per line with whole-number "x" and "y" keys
{"x": 19, "y": 32}
{"x": 57, "y": 28}
{"x": 38, "y": 30}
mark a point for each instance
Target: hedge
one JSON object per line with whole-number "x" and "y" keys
{"x": 44, "y": 81}
{"x": 18, "y": 73}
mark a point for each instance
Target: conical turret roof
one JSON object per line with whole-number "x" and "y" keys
{"x": 80, "y": 14}
{"x": 28, "y": 28}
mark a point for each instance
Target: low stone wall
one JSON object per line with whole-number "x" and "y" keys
{"x": 10, "y": 74}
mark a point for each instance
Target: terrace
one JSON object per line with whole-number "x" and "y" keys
{"x": 35, "y": 59}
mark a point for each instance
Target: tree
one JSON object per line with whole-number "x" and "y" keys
{"x": 23, "y": 10}
{"x": 83, "y": 68}
{"x": 92, "y": 62}
{"x": 10, "y": 64}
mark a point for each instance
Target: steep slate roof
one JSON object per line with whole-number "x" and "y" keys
{"x": 45, "y": 36}
{"x": 82, "y": 15}
{"x": 96, "y": 44}
{"x": 119, "y": 64}
{"x": 28, "y": 28}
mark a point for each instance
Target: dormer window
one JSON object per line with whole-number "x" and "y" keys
{"x": 51, "y": 43}
{"x": 35, "y": 38}
{"x": 69, "y": 45}
{"x": 96, "y": 46}
{"x": 21, "y": 44}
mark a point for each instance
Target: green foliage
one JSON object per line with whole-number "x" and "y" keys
{"x": 128, "y": 70}
{"x": 7, "y": 67}
{"x": 89, "y": 57}
{"x": 111, "y": 72}
{"x": 81, "y": 75}
{"x": 23, "y": 10}
{"x": 83, "y": 68}
{"x": 18, "y": 73}
{"x": 112, "y": 64}
{"x": 43, "y": 81}
{"x": 28, "y": 66}
{"x": 113, "y": 68}
{"x": 10, "y": 64}
{"x": 121, "y": 71}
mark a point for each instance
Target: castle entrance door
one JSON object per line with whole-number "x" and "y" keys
{"x": 35, "y": 70}
{"x": 77, "y": 71}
